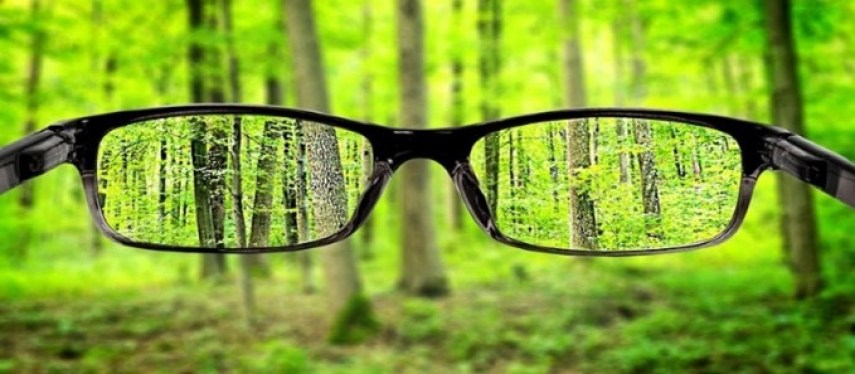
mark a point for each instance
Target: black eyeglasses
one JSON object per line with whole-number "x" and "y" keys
{"x": 606, "y": 182}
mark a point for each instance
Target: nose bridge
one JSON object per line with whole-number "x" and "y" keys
{"x": 443, "y": 146}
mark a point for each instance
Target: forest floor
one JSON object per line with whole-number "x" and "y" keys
{"x": 582, "y": 316}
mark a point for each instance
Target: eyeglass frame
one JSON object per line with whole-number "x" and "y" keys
{"x": 76, "y": 141}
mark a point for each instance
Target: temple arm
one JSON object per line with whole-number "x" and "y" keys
{"x": 33, "y": 156}
{"x": 816, "y": 165}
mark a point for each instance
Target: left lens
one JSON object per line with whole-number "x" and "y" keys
{"x": 610, "y": 183}
{"x": 230, "y": 181}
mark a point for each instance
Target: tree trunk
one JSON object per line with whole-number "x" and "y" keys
{"x": 354, "y": 317}
{"x": 263, "y": 201}
{"x": 583, "y": 223}
{"x": 619, "y": 36}
{"x": 213, "y": 266}
{"x": 367, "y": 97}
{"x": 648, "y": 172}
{"x": 457, "y": 103}
{"x": 489, "y": 32}
{"x": 797, "y": 213}
{"x": 34, "y": 73}
{"x": 423, "y": 273}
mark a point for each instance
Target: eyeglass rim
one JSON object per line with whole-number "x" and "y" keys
{"x": 751, "y": 137}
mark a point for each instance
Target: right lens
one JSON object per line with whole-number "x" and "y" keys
{"x": 610, "y": 183}
{"x": 230, "y": 181}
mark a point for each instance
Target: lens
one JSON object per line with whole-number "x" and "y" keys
{"x": 610, "y": 183}
{"x": 230, "y": 181}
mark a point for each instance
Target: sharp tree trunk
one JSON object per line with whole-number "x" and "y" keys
{"x": 583, "y": 223}
{"x": 489, "y": 32}
{"x": 353, "y": 314}
{"x": 798, "y": 219}
{"x": 423, "y": 273}
{"x": 263, "y": 200}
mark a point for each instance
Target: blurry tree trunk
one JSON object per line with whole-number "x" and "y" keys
{"x": 218, "y": 150}
{"x": 367, "y": 97}
{"x": 619, "y": 36}
{"x": 728, "y": 79}
{"x": 745, "y": 81}
{"x": 422, "y": 272}
{"x": 246, "y": 261}
{"x": 583, "y": 223}
{"x": 213, "y": 266}
{"x": 798, "y": 218}
{"x": 353, "y": 314}
{"x": 33, "y": 81}
{"x": 648, "y": 172}
{"x": 457, "y": 101}
{"x": 489, "y": 65}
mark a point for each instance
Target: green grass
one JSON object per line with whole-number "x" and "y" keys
{"x": 723, "y": 309}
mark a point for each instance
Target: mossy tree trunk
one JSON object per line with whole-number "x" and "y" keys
{"x": 342, "y": 280}
{"x": 422, "y": 271}
{"x": 798, "y": 218}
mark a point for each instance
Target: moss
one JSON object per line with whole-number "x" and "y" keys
{"x": 355, "y": 322}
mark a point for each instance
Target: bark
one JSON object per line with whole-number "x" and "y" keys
{"x": 798, "y": 218}
{"x": 162, "y": 193}
{"x": 344, "y": 288}
{"x": 675, "y": 151}
{"x": 489, "y": 32}
{"x": 583, "y": 222}
{"x": 263, "y": 201}
{"x": 201, "y": 194}
{"x": 553, "y": 167}
{"x": 423, "y": 273}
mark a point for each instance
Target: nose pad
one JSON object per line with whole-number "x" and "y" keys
{"x": 468, "y": 187}
{"x": 376, "y": 184}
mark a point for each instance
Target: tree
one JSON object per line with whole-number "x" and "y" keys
{"x": 422, "y": 270}
{"x": 457, "y": 101}
{"x": 648, "y": 172}
{"x": 489, "y": 66}
{"x": 204, "y": 197}
{"x": 247, "y": 262}
{"x": 354, "y": 316}
{"x": 215, "y": 92}
{"x": 798, "y": 219}
{"x": 367, "y": 98}
{"x": 583, "y": 223}
{"x": 33, "y": 81}
{"x": 619, "y": 35}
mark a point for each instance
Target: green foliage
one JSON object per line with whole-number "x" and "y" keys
{"x": 67, "y": 306}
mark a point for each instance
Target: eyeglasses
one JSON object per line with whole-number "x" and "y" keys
{"x": 606, "y": 182}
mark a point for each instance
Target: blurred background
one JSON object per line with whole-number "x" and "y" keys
{"x": 72, "y": 301}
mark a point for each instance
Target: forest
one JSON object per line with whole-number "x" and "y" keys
{"x": 420, "y": 287}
